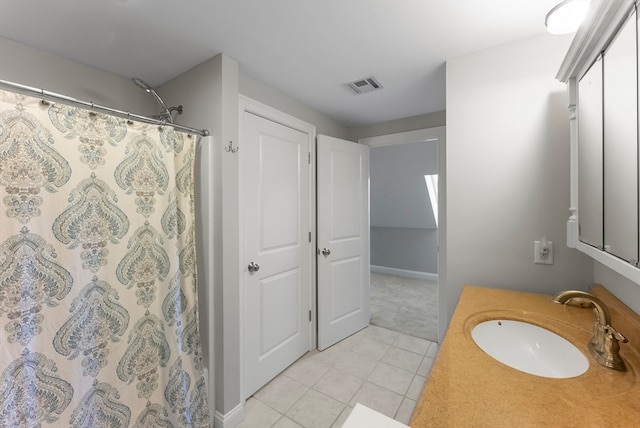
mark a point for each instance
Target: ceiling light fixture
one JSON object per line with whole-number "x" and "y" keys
{"x": 566, "y": 16}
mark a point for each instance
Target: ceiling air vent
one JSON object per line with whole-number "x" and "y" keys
{"x": 362, "y": 86}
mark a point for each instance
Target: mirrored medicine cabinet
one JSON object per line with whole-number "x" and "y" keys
{"x": 601, "y": 71}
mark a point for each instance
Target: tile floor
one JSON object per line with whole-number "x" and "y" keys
{"x": 377, "y": 367}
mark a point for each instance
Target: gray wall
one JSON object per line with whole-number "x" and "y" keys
{"x": 405, "y": 248}
{"x": 23, "y": 64}
{"x": 403, "y": 228}
{"x": 508, "y": 170}
{"x": 621, "y": 287}
{"x": 273, "y": 98}
{"x": 429, "y": 120}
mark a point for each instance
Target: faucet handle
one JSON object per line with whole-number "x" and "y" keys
{"x": 579, "y": 301}
{"x": 608, "y": 330}
{"x": 608, "y": 355}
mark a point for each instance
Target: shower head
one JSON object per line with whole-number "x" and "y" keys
{"x": 166, "y": 114}
{"x": 144, "y": 85}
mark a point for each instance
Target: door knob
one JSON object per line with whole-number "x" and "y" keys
{"x": 253, "y": 267}
{"x": 326, "y": 252}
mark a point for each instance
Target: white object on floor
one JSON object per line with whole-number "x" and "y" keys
{"x": 364, "y": 417}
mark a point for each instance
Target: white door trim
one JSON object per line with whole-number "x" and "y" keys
{"x": 249, "y": 105}
{"x": 429, "y": 134}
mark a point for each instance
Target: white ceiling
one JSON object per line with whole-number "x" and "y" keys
{"x": 306, "y": 49}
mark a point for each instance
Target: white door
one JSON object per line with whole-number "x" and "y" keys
{"x": 277, "y": 271}
{"x": 343, "y": 239}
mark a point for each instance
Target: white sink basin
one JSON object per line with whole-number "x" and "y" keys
{"x": 529, "y": 348}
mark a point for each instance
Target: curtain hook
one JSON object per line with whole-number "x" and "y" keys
{"x": 43, "y": 101}
{"x": 92, "y": 113}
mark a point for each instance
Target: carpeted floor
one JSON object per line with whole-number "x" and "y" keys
{"x": 405, "y": 305}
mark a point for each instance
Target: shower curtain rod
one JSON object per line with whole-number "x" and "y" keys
{"x": 124, "y": 114}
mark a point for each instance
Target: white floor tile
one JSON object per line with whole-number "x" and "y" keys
{"x": 377, "y": 398}
{"x": 356, "y": 364}
{"x": 381, "y": 334}
{"x": 405, "y": 411}
{"x": 320, "y": 389}
{"x": 306, "y": 371}
{"x": 316, "y": 410}
{"x": 258, "y": 415}
{"x": 370, "y": 348}
{"x": 285, "y": 422}
{"x": 281, "y": 393}
{"x": 329, "y": 356}
{"x": 406, "y": 360}
{"x": 425, "y": 366}
{"x": 433, "y": 350}
{"x": 416, "y": 387}
{"x": 343, "y": 417}
{"x": 412, "y": 344}
{"x": 351, "y": 340}
{"x": 339, "y": 385}
{"x": 391, "y": 378}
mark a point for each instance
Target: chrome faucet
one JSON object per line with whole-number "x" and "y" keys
{"x": 604, "y": 345}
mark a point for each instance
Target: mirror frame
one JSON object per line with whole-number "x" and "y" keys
{"x": 602, "y": 23}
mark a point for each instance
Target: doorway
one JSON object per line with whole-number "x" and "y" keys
{"x": 407, "y": 233}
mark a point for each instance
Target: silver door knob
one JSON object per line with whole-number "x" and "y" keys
{"x": 253, "y": 267}
{"x": 326, "y": 252}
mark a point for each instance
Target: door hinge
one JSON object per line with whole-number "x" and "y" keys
{"x": 309, "y": 316}
{"x": 309, "y": 158}
{"x": 309, "y": 236}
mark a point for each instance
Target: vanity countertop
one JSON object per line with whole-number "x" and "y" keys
{"x": 468, "y": 388}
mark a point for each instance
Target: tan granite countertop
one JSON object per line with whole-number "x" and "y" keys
{"x": 468, "y": 388}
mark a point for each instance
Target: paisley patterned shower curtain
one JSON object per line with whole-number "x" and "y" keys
{"x": 98, "y": 302}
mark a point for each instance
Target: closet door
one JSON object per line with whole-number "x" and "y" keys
{"x": 277, "y": 251}
{"x": 621, "y": 145}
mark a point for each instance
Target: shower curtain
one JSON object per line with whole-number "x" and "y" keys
{"x": 98, "y": 301}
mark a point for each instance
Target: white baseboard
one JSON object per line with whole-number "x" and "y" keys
{"x": 231, "y": 419}
{"x": 426, "y": 276}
